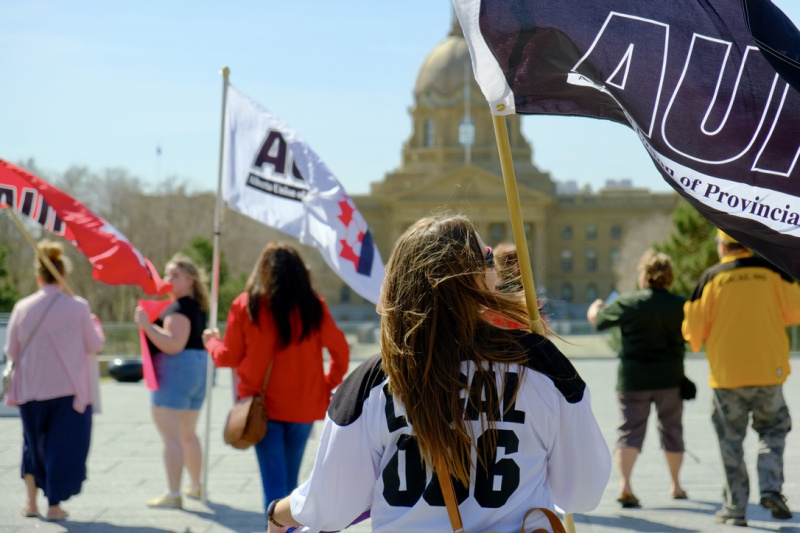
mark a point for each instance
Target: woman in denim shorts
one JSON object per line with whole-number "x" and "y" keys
{"x": 179, "y": 360}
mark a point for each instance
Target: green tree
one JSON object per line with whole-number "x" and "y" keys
{"x": 690, "y": 245}
{"x": 8, "y": 294}
{"x": 228, "y": 292}
{"x": 201, "y": 251}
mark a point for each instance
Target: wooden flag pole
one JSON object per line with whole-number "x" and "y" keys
{"x": 521, "y": 241}
{"x": 42, "y": 257}
{"x": 569, "y": 523}
{"x": 517, "y": 228}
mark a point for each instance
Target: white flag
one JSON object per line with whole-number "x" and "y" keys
{"x": 271, "y": 175}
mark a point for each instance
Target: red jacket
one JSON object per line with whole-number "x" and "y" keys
{"x": 299, "y": 390}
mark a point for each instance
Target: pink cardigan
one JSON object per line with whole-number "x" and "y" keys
{"x": 56, "y": 360}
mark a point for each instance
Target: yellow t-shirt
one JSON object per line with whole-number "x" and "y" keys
{"x": 740, "y": 310}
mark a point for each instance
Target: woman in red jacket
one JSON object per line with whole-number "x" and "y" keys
{"x": 279, "y": 320}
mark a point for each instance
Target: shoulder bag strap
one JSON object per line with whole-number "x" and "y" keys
{"x": 448, "y": 492}
{"x": 36, "y": 328}
{"x": 269, "y": 368}
{"x": 555, "y": 523}
{"x": 453, "y": 512}
{"x": 266, "y": 377}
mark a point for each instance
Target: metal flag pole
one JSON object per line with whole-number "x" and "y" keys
{"x": 42, "y": 257}
{"x": 521, "y": 241}
{"x": 214, "y": 284}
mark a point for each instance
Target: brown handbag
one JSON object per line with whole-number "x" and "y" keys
{"x": 246, "y": 424}
{"x": 451, "y": 502}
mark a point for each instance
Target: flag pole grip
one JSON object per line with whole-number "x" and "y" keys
{"x": 42, "y": 257}
{"x": 517, "y": 228}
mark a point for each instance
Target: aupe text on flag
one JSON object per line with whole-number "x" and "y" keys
{"x": 688, "y": 76}
{"x": 270, "y": 174}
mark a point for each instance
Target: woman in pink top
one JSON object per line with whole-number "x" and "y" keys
{"x": 50, "y": 338}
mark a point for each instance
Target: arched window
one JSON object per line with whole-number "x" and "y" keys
{"x": 344, "y": 294}
{"x": 466, "y": 132}
{"x": 428, "y": 139}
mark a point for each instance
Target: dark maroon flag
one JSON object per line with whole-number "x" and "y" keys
{"x": 709, "y": 86}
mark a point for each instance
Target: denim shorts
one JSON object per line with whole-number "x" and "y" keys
{"x": 181, "y": 379}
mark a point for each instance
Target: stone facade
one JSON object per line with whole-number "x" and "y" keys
{"x": 574, "y": 237}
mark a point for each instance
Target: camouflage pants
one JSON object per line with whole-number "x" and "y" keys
{"x": 771, "y": 420}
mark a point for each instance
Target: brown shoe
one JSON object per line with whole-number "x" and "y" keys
{"x": 628, "y": 500}
{"x": 776, "y": 502}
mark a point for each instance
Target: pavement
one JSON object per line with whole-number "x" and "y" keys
{"x": 125, "y": 467}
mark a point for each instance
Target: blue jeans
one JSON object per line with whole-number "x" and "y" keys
{"x": 279, "y": 455}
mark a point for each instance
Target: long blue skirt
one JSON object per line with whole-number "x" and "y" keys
{"x": 55, "y": 446}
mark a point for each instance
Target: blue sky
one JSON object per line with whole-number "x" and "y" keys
{"x": 102, "y": 84}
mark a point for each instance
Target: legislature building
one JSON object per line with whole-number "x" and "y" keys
{"x": 450, "y": 164}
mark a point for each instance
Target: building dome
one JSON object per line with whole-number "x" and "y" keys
{"x": 453, "y": 126}
{"x": 442, "y": 73}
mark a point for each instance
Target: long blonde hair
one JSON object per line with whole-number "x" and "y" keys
{"x": 432, "y": 304}
{"x": 197, "y": 274}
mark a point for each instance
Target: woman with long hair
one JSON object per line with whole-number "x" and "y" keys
{"x": 280, "y": 322}
{"x": 503, "y": 408}
{"x": 179, "y": 360}
{"x": 650, "y": 368}
{"x": 51, "y": 338}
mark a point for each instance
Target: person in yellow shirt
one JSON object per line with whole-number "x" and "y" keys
{"x": 740, "y": 310}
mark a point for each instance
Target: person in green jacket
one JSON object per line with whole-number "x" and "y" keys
{"x": 650, "y": 368}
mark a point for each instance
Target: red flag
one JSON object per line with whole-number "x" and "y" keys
{"x": 114, "y": 259}
{"x": 153, "y": 308}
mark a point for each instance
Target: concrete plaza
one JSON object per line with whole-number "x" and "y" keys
{"x": 125, "y": 468}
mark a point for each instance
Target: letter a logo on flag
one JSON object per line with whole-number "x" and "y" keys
{"x": 271, "y": 175}
{"x": 695, "y": 79}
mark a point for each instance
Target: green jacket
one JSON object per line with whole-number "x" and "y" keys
{"x": 651, "y": 355}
